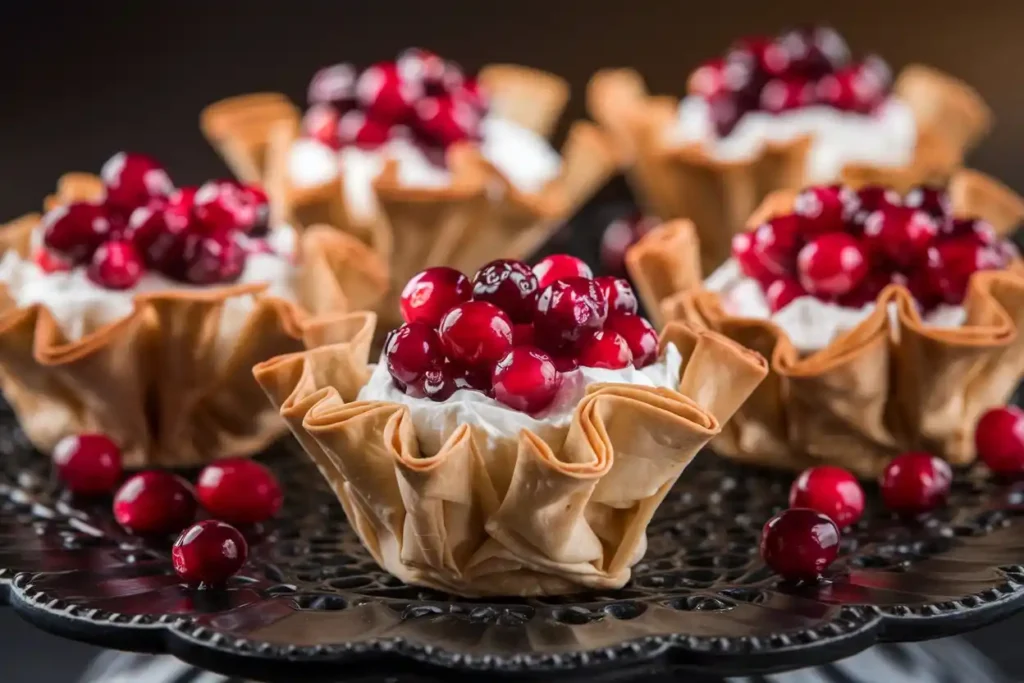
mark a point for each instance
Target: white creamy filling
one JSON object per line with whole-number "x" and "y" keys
{"x": 436, "y": 421}
{"x": 810, "y": 324}
{"x": 80, "y": 306}
{"x": 886, "y": 138}
{"x": 523, "y": 157}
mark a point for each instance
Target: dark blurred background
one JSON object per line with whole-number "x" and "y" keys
{"x": 84, "y": 79}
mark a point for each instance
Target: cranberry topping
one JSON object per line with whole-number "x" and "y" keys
{"x": 559, "y": 267}
{"x": 115, "y": 265}
{"x": 445, "y": 120}
{"x": 132, "y": 179}
{"x": 212, "y": 259}
{"x": 799, "y": 544}
{"x": 432, "y": 293}
{"x": 900, "y": 235}
{"x": 355, "y": 128}
{"x": 999, "y": 438}
{"x": 209, "y": 553}
{"x": 831, "y": 491}
{"x": 76, "y": 230}
{"x": 568, "y": 308}
{"x": 88, "y": 464}
{"x": 411, "y": 350}
{"x": 870, "y": 199}
{"x": 708, "y": 80}
{"x": 334, "y": 86}
{"x": 473, "y": 94}
{"x": 509, "y": 285}
{"x": 618, "y": 293}
{"x": 526, "y": 379}
{"x": 776, "y": 243}
{"x": 749, "y": 258}
{"x": 154, "y": 502}
{"x": 224, "y": 205}
{"x": 915, "y": 482}
{"x": 780, "y": 95}
{"x": 49, "y": 262}
{"x": 780, "y": 293}
{"x": 476, "y": 333}
{"x": 239, "y": 491}
{"x": 640, "y": 336}
{"x": 823, "y": 209}
{"x": 437, "y": 384}
{"x": 932, "y": 200}
{"x": 320, "y": 122}
{"x": 469, "y": 377}
{"x": 523, "y": 334}
{"x": 384, "y": 95}
{"x": 603, "y": 349}
{"x": 952, "y": 263}
{"x": 832, "y": 264}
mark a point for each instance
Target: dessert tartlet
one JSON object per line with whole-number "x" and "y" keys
{"x": 777, "y": 113}
{"x": 519, "y": 430}
{"x": 422, "y": 163}
{"x": 890, "y": 319}
{"x": 136, "y": 309}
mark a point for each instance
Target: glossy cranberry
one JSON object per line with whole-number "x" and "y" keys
{"x": 526, "y": 379}
{"x": 223, "y": 205}
{"x": 900, "y": 235}
{"x": 566, "y": 363}
{"x": 509, "y": 285}
{"x": 872, "y": 198}
{"x": 474, "y": 95}
{"x": 437, "y": 384}
{"x": 604, "y": 349}
{"x": 780, "y": 293}
{"x": 618, "y": 293}
{"x": 977, "y": 229}
{"x": 619, "y": 236}
{"x": 922, "y": 283}
{"x": 76, "y": 230}
{"x": 320, "y": 122}
{"x": 875, "y": 74}
{"x": 433, "y": 292}
{"x": 476, "y": 333}
{"x": 523, "y": 334}
{"x": 158, "y": 233}
{"x": 777, "y": 242}
{"x": 355, "y": 128}
{"x": 334, "y": 85}
{"x": 131, "y": 179}
{"x": 999, "y": 438}
{"x": 708, "y": 79}
{"x": 832, "y": 265}
{"x": 155, "y": 502}
{"x": 384, "y": 95}
{"x": 932, "y": 200}
{"x": 952, "y": 263}
{"x": 749, "y": 258}
{"x": 88, "y": 464}
{"x": 559, "y": 267}
{"x": 212, "y": 259}
{"x": 915, "y": 482}
{"x": 840, "y": 90}
{"x": 50, "y": 262}
{"x": 445, "y": 120}
{"x": 830, "y": 490}
{"x": 566, "y": 309}
{"x": 725, "y": 112}
{"x": 411, "y": 350}
{"x": 115, "y": 265}
{"x": 823, "y": 209}
{"x": 751, "y": 61}
{"x": 209, "y": 553}
{"x": 257, "y": 198}
{"x": 239, "y": 491}
{"x": 781, "y": 95}
{"x": 799, "y": 544}
{"x": 869, "y": 288}
{"x": 640, "y": 336}
{"x": 814, "y": 51}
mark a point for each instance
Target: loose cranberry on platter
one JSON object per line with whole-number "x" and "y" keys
{"x": 604, "y": 349}
{"x": 619, "y": 236}
{"x": 780, "y": 293}
{"x": 781, "y": 95}
{"x": 831, "y": 491}
{"x": 131, "y": 179}
{"x": 823, "y": 209}
{"x": 212, "y": 259}
{"x": 239, "y": 491}
{"x": 476, "y": 333}
{"x": 900, "y": 235}
{"x": 320, "y": 122}
{"x": 411, "y": 350}
{"x": 433, "y": 292}
{"x": 999, "y": 438}
{"x": 915, "y": 482}
{"x": 640, "y": 336}
{"x": 708, "y": 79}
{"x": 88, "y": 464}
{"x": 568, "y": 308}
{"x": 749, "y": 258}
{"x": 155, "y": 502}
{"x": 384, "y": 95}
{"x": 116, "y": 265}
{"x": 333, "y": 85}
{"x": 559, "y": 267}
{"x": 209, "y": 553}
{"x": 951, "y": 264}
{"x": 932, "y": 200}
{"x": 618, "y": 293}
{"x": 445, "y": 120}
{"x": 799, "y": 544}
{"x": 777, "y": 242}
{"x": 509, "y": 285}
{"x": 355, "y": 128}
{"x": 832, "y": 265}
{"x": 526, "y": 379}
{"x": 76, "y": 230}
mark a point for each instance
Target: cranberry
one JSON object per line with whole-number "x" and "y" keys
{"x": 437, "y": 384}
{"x": 999, "y": 438}
{"x": 832, "y": 265}
{"x": 526, "y": 379}
{"x": 923, "y": 286}
{"x": 209, "y": 553}
{"x": 952, "y": 263}
{"x": 823, "y": 209}
{"x": 901, "y": 235}
{"x": 422, "y": 66}
{"x": 708, "y": 79}
{"x": 509, "y": 285}
{"x": 932, "y": 200}
{"x": 559, "y": 267}
{"x": 115, "y": 265}
{"x": 977, "y": 229}
{"x": 915, "y": 482}
{"x": 212, "y": 259}
{"x": 320, "y": 122}
{"x": 618, "y": 293}
{"x": 751, "y": 60}
{"x": 619, "y": 236}
{"x": 566, "y": 309}
{"x": 603, "y": 349}
{"x": 131, "y": 179}
{"x": 875, "y": 74}
{"x": 872, "y": 198}
{"x": 155, "y": 502}
{"x": 239, "y": 491}
{"x": 411, "y": 350}
{"x": 223, "y": 205}
{"x": 841, "y": 90}
{"x": 474, "y": 95}
{"x": 158, "y": 233}
{"x": 814, "y": 51}
{"x": 870, "y": 287}
{"x": 433, "y": 292}
{"x": 799, "y": 544}
{"x": 782, "y": 292}
{"x": 76, "y": 230}
{"x": 257, "y": 198}
{"x": 566, "y": 363}
{"x": 831, "y": 491}
{"x": 749, "y": 258}
{"x": 88, "y": 464}
{"x": 443, "y": 121}
{"x": 640, "y": 336}
{"x": 781, "y": 95}
{"x": 50, "y": 262}
{"x": 384, "y": 95}
{"x": 523, "y": 334}
{"x": 469, "y": 377}
{"x": 725, "y": 112}
{"x": 334, "y": 85}
{"x": 476, "y": 333}
{"x": 355, "y": 128}
{"x": 777, "y": 243}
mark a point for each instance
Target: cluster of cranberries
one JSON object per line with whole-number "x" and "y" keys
{"x": 156, "y": 503}
{"x": 799, "y": 68}
{"x": 801, "y": 542}
{"x": 845, "y": 246}
{"x": 199, "y": 235}
{"x": 419, "y": 96}
{"x": 512, "y": 331}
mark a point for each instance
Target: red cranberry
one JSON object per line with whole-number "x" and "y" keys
{"x": 209, "y": 553}
{"x": 922, "y": 283}
{"x": 384, "y": 95}
{"x": 932, "y": 200}
{"x": 777, "y": 243}
{"x": 469, "y": 377}
{"x": 474, "y": 95}
{"x": 432, "y": 293}
{"x": 875, "y": 74}
{"x": 443, "y": 121}
{"x": 978, "y": 229}
{"x": 158, "y": 233}
{"x": 901, "y": 235}
{"x": 840, "y": 90}
{"x": 76, "y": 230}
{"x": 708, "y": 79}
{"x": 355, "y": 128}
{"x": 618, "y": 293}
{"x": 476, "y": 333}
{"x": 751, "y": 60}
{"x": 823, "y": 208}
{"x": 782, "y": 292}
{"x": 831, "y": 491}
{"x": 239, "y": 491}
{"x": 411, "y": 350}
{"x": 50, "y": 262}
{"x": 437, "y": 384}
{"x": 566, "y": 363}
{"x": 999, "y": 438}
{"x": 131, "y": 179}
{"x": 799, "y": 544}
{"x": 915, "y": 482}
{"x": 422, "y": 66}
{"x": 619, "y": 236}
{"x": 814, "y": 51}
{"x": 115, "y": 265}
{"x": 603, "y": 349}
{"x": 749, "y": 258}
{"x": 725, "y": 112}
{"x": 212, "y": 259}
{"x": 334, "y": 85}
{"x": 526, "y": 379}
{"x": 523, "y": 334}
{"x": 640, "y": 336}
{"x": 869, "y": 288}
{"x": 155, "y": 502}
{"x": 257, "y": 198}
{"x": 559, "y": 267}
{"x": 952, "y": 263}
{"x": 88, "y": 464}
{"x": 509, "y": 285}
{"x": 223, "y": 205}
{"x": 566, "y": 309}
{"x": 320, "y": 122}
{"x": 832, "y": 265}
{"x": 872, "y": 198}
{"x": 781, "y": 95}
